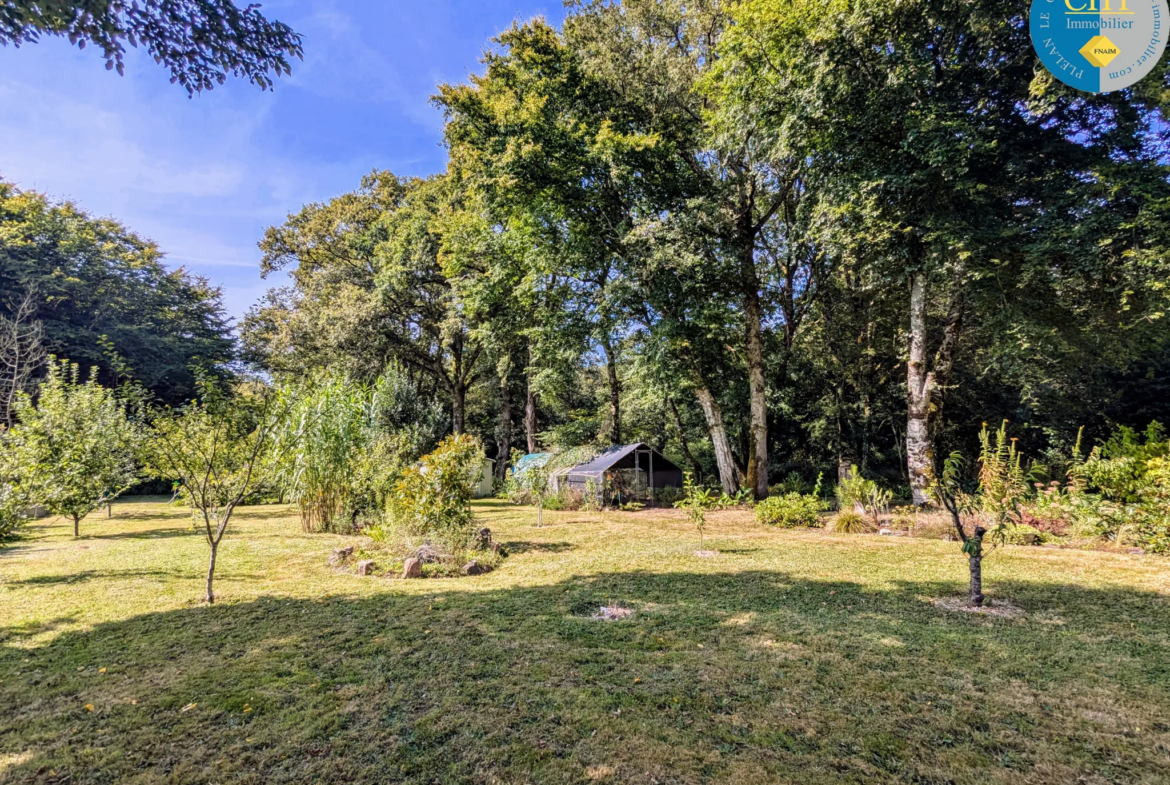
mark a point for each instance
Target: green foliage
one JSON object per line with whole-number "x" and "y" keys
{"x": 793, "y": 483}
{"x": 1002, "y": 484}
{"x": 741, "y": 498}
{"x": 904, "y": 517}
{"x": 1025, "y": 534}
{"x": 790, "y": 510}
{"x": 1118, "y": 468}
{"x": 851, "y": 522}
{"x": 78, "y": 446}
{"x": 1153, "y": 518}
{"x": 214, "y": 448}
{"x": 668, "y": 496}
{"x": 695, "y": 502}
{"x": 433, "y": 498}
{"x": 858, "y": 493}
{"x": 591, "y": 499}
{"x": 853, "y": 490}
{"x": 14, "y": 498}
{"x": 321, "y": 441}
{"x": 343, "y": 445}
{"x": 201, "y": 42}
{"x": 104, "y": 299}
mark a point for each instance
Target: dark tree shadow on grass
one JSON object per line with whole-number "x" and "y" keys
{"x": 523, "y": 546}
{"x": 751, "y": 677}
{"x": 146, "y": 534}
{"x": 71, "y": 578}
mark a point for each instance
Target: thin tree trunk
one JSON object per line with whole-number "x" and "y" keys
{"x": 109, "y": 511}
{"x": 682, "y": 438}
{"x": 211, "y": 573}
{"x": 530, "y": 418}
{"x": 76, "y": 525}
{"x": 729, "y": 474}
{"x": 458, "y": 407}
{"x": 919, "y": 381}
{"x": 504, "y": 443}
{"x": 615, "y": 414}
{"x": 975, "y": 556}
{"x": 754, "y": 344}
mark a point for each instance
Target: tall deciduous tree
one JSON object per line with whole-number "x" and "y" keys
{"x": 22, "y": 353}
{"x": 656, "y": 56}
{"x": 80, "y": 447}
{"x": 968, "y": 168}
{"x": 104, "y": 298}
{"x": 369, "y": 289}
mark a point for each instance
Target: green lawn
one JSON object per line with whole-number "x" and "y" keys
{"x": 799, "y": 657}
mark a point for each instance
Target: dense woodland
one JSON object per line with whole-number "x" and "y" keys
{"x": 761, "y": 238}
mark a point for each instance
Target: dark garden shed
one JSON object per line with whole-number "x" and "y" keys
{"x": 630, "y": 471}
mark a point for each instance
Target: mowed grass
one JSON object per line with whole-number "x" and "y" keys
{"x": 793, "y": 656}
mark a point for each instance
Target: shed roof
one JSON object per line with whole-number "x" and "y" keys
{"x": 606, "y": 460}
{"x": 532, "y": 459}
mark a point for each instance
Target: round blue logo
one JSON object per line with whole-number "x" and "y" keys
{"x": 1099, "y": 45}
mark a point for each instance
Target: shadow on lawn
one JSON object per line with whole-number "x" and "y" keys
{"x": 750, "y": 677}
{"x": 69, "y": 579}
{"x": 146, "y": 534}
{"x": 522, "y": 546}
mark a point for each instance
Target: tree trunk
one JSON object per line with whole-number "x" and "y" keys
{"x": 754, "y": 344}
{"x": 109, "y": 511}
{"x": 504, "y": 441}
{"x": 844, "y": 467}
{"x": 729, "y": 474}
{"x": 919, "y": 381}
{"x": 924, "y": 386}
{"x": 76, "y": 525}
{"x": 974, "y": 548}
{"x": 211, "y": 573}
{"x": 615, "y": 414}
{"x": 458, "y": 407}
{"x": 682, "y": 438}
{"x": 530, "y": 418}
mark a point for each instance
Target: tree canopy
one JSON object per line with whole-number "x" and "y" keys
{"x": 760, "y": 237}
{"x": 201, "y": 42}
{"x": 104, "y": 299}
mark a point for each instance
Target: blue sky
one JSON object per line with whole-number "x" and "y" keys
{"x": 204, "y": 176}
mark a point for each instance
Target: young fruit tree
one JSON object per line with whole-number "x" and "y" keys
{"x": 695, "y": 501}
{"x": 213, "y": 449}
{"x": 1001, "y": 488}
{"x": 79, "y": 445}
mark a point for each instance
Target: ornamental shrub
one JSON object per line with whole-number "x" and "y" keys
{"x": 1153, "y": 519}
{"x": 433, "y": 498}
{"x": 790, "y": 510}
{"x": 851, "y": 522}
